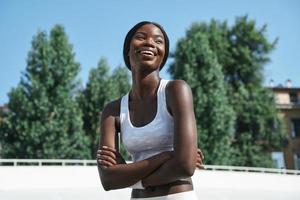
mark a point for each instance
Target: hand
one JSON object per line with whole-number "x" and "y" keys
{"x": 200, "y": 158}
{"x": 106, "y": 156}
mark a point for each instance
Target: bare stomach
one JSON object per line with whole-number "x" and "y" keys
{"x": 162, "y": 190}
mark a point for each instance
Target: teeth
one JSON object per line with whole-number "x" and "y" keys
{"x": 147, "y": 52}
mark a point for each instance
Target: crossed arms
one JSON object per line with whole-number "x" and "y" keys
{"x": 162, "y": 168}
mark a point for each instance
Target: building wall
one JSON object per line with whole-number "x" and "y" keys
{"x": 290, "y": 110}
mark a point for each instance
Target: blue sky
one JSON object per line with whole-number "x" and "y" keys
{"x": 97, "y": 29}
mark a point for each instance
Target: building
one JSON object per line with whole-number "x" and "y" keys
{"x": 288, "y": 102}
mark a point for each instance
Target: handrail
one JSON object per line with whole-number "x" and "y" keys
{"x": 252, "y": 169}
{"x": 46, "y": 162}
{"x": 72, "y": 162}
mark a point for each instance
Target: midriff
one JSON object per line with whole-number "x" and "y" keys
{"x": 162, "y": 190}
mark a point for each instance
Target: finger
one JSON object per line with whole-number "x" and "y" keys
{"x": 199, "y": 162}
{"x": 198, "y": 157}
{"x": 200, "y": 167}
{"x": 98, "y": 156}
{"x": 199, "y": 152}
{"x": 104, "y": 163}
{"x": 106, "y": 148}
{"x": 109, "y": 148}
{"x": 108, "y": 159}
{"x": 107, "y": 153}
{"x": 101, "y": 163}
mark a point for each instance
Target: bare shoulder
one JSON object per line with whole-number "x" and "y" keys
{"x": 179, "y": 97}
{"x": 110, "y": 115}
{"x": 176, "y": 88}
{"x": 112, "y": 108}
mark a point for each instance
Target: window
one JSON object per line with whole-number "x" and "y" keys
{"x": 297, "y": 160}
{"x": 295, "y": 126}
{"x": 278, "y": 160}
{"x": 293, "y": 97}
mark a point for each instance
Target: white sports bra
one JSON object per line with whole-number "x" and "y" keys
{"x": 152, "y": 138}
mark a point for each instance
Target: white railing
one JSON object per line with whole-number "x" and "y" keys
{"x": 252, "y": 169}
{"x": 71, "y": 162}
{"x": 45, "y": 162}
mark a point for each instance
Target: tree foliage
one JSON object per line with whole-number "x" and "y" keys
{"x": 101, "y": 88}
{"x": 197, "y": 64}
{"x": 44, "y": 119}
{"x": 241, "y": 50}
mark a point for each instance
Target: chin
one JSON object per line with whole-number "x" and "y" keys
{"x": 146, "y": 66}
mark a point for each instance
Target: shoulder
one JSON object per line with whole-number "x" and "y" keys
{"x": 177, "y": 87}
{"x": 179, "y": 96}
{"x": 112, "y": 108}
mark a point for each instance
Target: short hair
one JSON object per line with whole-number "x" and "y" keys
{"x": 129, "y": 36}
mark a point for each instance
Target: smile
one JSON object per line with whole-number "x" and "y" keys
{"x": 147, "y": 52}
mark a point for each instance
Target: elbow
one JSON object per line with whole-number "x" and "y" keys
{"x": 103, "y": 174}
{"x": 186, "y": 168}
{"x": 106, "y": 186}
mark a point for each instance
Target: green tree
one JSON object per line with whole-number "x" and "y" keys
{"x": 195, "y": 63}
{"x": 101, "y": 88}
{"x": 120, "y": 79}
{"x": 44, "y": 119}
{"x": 242, "y": 50}
{"x": 4, "y": 123}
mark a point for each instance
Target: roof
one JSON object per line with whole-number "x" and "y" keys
{"x": 285, "y": 89}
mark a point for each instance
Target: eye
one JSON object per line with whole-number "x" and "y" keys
{"x": 139, "y": 37}
{"x": 159, "y": 41}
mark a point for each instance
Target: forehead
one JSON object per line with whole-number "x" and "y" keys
{"x": 150, "y": 29}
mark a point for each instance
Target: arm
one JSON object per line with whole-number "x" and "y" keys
{"x": 183, "y": 162}
{"x": 122, "y": 175}
{"x": 109, "y": 157}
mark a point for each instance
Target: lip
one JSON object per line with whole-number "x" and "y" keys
{"x": 147, "y": 52}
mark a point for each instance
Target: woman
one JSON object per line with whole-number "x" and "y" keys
{"x": 157, "y": 125}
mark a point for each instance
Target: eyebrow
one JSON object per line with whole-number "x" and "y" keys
{"x": 145, "y": 33}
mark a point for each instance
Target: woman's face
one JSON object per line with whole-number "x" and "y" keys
{"x": 147, "y": 48}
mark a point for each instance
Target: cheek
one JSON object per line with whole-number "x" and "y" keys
{"x": 131, "y": 52}
{"x": 162, "y": 52}
{"x": 131, "y": 56}
{"x": 132, "y": 48}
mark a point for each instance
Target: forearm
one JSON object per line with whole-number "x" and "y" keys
{"x": 170, "y": 171}
{"x": 125, "y": 175}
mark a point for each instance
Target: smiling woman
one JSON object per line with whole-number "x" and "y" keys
{"x": 161, "y": 37}
{"x": 156, "y": 122}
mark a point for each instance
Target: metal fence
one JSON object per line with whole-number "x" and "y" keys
{"x": 71, "y": 162}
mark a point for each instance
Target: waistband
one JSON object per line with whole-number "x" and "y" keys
{"x": 189, "y": 195}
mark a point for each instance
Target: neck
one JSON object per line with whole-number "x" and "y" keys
{"x": 144, "y": 85}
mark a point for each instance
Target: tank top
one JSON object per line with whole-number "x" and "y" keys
{"x": 152, "y": 138}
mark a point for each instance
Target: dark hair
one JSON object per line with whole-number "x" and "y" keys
{"x": 130, "y": 35}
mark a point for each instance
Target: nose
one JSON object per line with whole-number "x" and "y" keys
{"x": 149, "y": 42}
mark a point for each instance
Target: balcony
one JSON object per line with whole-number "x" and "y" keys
{"x": 288, "y": 105}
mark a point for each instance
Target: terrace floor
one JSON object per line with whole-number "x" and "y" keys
{"x": 82, "y": 182}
